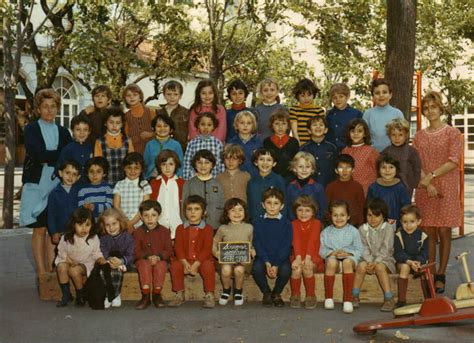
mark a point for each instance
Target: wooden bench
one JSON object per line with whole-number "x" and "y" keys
{"x": 370, "y": 292}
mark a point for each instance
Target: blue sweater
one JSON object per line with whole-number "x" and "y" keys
{"x": 313, "y": 189}
{"x": 249, "y": 147}
{"x": 100, "y": 195}
{"x": 412, "y": 246}
{"x": 264, "y": 112}
{"x": 272, "y": 240}
{"x": 255, "y": 188}
{"x": 338, "y": 120}
{"x": 395, "y": 196}
{"x": 376, "y": 118}
{"x": 122, "y": 243}
{"x": 76, "y": 151}
{"x": 324, "y": 153}
{"x": 153, "y": 149}
{"x": 61, "y": 204}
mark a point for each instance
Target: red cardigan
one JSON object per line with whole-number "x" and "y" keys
{"x": 152, "y": 242}
{"x": 193, "y": 243}
{"x": 306, "y": 240}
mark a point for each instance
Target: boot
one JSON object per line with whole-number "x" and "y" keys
{"x": 157, "y": 300}
{"x": 144, "y": 302}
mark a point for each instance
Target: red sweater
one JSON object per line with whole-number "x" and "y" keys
{"x": 152, "y": 242}
{"x": 193, "y": 243}
{"x": 306, "y": 240}
{"x": 352, "y": 192}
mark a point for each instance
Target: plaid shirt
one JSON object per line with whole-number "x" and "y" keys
{"x": 199, "y": 143}
{"x": 131, "y": 196}
{"x": 115, "y": 158}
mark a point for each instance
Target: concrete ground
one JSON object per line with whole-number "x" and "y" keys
{"x": 25, "y": 318}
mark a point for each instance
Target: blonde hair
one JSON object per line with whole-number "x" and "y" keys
{"x": 267, "y": 81}
{"x": 398, "y": 124}
{"x": 305, "y": 156}
{"x": 44, "y": 94}
{"x": 435, "y": 97}
{"x": 117, "y": 214}
{"x": 247, "y": 114}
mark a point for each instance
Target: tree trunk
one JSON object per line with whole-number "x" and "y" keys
{"x": 400, "y": 55}
{"x": 9, "y": 82}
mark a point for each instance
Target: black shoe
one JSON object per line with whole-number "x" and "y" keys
{"x": 80, "y": 300}
{"x": 277, "y": 300}
{"x": 267, "y": 300}
{"x": 400, "y": 304}
{"x": 157, "y": 300}
{"x": 440, "y": 278}
{"x": 67, "y": 298}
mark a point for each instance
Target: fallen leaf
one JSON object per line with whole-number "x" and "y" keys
{"x": 340, "y": 331}
{"x": 283, "y": 334}
{"x": 401, "y": 336}
{"x": 328, "y": 331}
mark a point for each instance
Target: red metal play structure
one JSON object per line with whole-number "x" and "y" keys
{"x": 434, "y": 310}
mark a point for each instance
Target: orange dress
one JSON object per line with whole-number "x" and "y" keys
{"x": 435, "y": 149}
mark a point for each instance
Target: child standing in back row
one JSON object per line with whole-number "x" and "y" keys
{"x": 340, "y": 115}
{"x": 268, "y": 91}
{"x": 237, "y": 93}
{"x": 381, "y": 114}
{"x": 206, "y": 99}
{"x": 101, "y": 96}
{"x": 305, "y": 91}
{"x": 138, "y": 118}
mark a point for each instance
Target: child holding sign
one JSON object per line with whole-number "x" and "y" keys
{"x": 235, "y": 228}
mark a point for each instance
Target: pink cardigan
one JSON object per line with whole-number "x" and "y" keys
{"x": 221, "y": 130}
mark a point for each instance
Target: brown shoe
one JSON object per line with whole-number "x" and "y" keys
{"x": 158, "y": 300}
{"x": 388, "y": 305}
{"x": 178, "y": 300}
{"x": 355, "y": 302}
{"x": 144, "y": 302}
{"x": 310, "y": 303}
{"x": 209, "y": 301}
{"x": 295, "y": 301}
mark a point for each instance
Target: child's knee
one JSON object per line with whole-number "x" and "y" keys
{"x": 380, "y": 268}
{"x": 404, "y": 270}
{"x": 62, "y": 267}
{"x": 226, "y": 270}
{"x": 308, "y": 269}
{"x": 239, "y": 271}
{"x": 347, "y": 265}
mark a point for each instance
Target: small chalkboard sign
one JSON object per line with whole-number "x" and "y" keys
{"x": 234, "y": 252}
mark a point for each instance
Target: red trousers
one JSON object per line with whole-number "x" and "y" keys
{"x": 207, "y": 271}
{"x": 148, "y": 273}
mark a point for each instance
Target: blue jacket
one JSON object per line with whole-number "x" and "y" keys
{"x": 272, "y": 239}
{"x": 324, "y": 153}
{"x": 255, "y": 188}
{"x": 61, "y": 204}
{"x": 410, "y": 246}
{"x": 338, "y": 120}
{"x": 77, "y": 151}
{"x": 249, "y": 147}
{"x": 313, "y": 189}
{"x": 36, "y": 153}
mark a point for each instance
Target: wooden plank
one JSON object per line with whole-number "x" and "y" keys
{"x": 370, "y": 291}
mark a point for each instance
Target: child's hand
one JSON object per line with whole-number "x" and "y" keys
{"x": 55, "y": 238}
{"x": 89, "y": 109}
{"x": 415, "y": 265}
{"x": 70, "y": 261}
{"x": 370, "y": 269}
{"x": 194, "y": 268}
{"x": 153, "y": 259}
{"x": 114, "y": 262}
{"x": 89, "y": 206}
{"x": 101, "y": 260}
{"x": 253, "y": 253}
{"x": 274, "y": 271}
{"x": 269, "y": 269}
{"x": 187, "y": 266}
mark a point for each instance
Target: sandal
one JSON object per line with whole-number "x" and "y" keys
{"x": 440, "y": 278}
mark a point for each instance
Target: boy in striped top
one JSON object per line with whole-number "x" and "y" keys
{"x": 304, "y": 91}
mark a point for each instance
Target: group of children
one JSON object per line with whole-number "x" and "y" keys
{"x": 165, "y": 204}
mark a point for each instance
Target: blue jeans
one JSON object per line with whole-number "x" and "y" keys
{"x": 259, "y": 273}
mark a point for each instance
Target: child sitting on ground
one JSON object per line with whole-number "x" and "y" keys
{"x": 96, "y": 194}
{"x": 138, "y": 118}
{"x": 341, "y": 248}
{"x": 305, "y": 91}
{"x": 167, "y": 189}
{"x": 193, "y": 251}
{"x": 204, "y": 185}
{"x": 78, "y": 251}
{"x": 205, "y": 123}
{"x": 410, "y": 164}
{"x": 282, "y": 145}
{"x": 62, "y": 200}
{"x": 272, "y": 241}
{"x": 245, "y": 126}
{"x": 153, "y": 249}
{"x": 410, "y": 249}
{"x": 233, "y": 180}
{"x": 340, "y": 115}
{"x": 172, "y": 92}
{"x": 303, "y": 166}
{"x": 116, "y": 241}
{"x": 323, "y": 151}
{"x": 305, "y": 256}
{"x": 377, "y": 240}
{"x": 235, "y": 228}
{"x": 346, "y": 188}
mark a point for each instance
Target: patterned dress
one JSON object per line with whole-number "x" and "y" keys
{"x": 365, "y": 170}
{"x": 435, "y": 149}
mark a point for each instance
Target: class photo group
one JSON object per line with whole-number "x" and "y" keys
{"x": 309, "y": 190}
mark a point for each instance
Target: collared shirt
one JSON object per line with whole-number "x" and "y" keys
{"x": 201, "y": 142}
